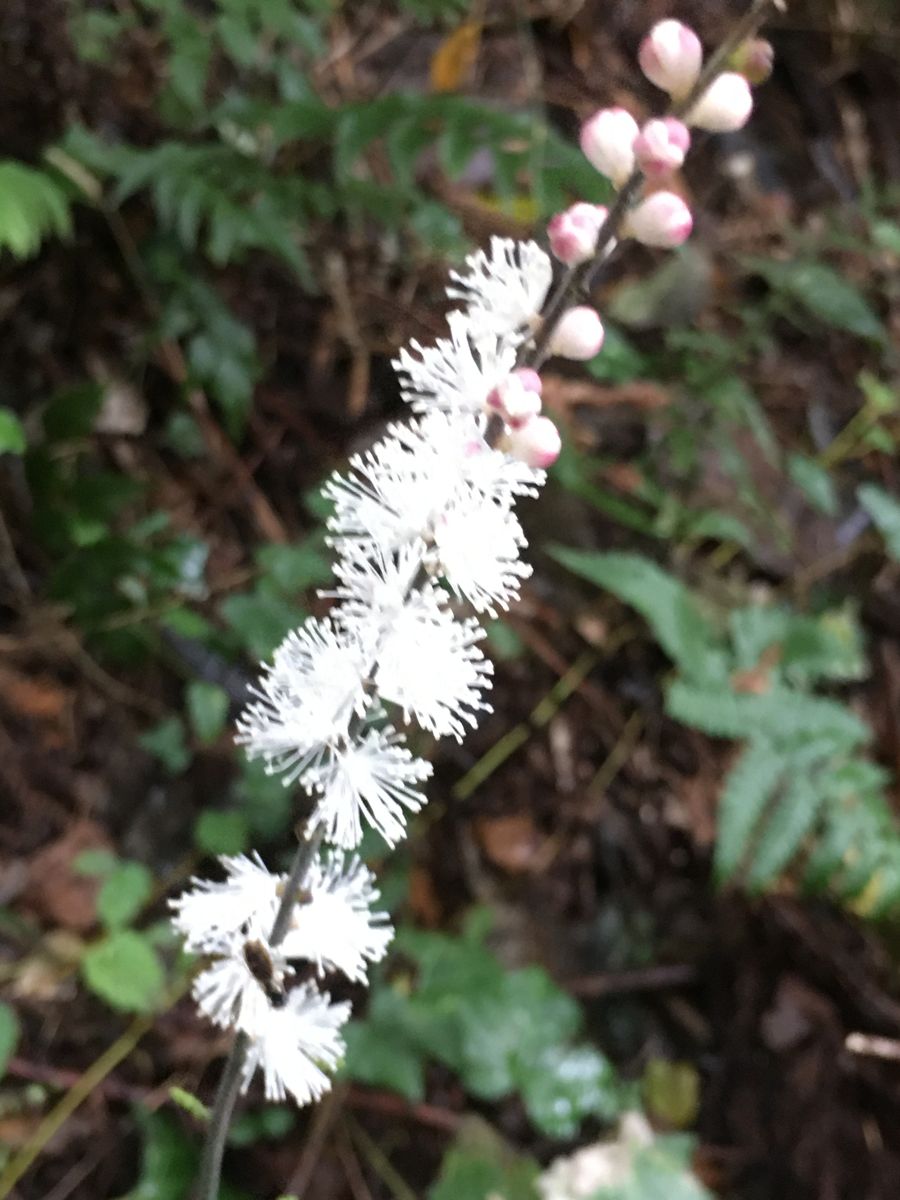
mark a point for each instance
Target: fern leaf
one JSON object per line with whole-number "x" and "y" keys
{"x": 781, "y": 715}
{"x": 748, "y": 789}
{"x": 33, "y": 207}
{"x": 663, "y": 601}
{"x": 790, "y": 822}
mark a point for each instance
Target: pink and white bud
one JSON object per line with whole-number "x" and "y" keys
{"x": 578, "y": 335}
{"x": 536, "y": 443}
{"x": 573, "y": 233}
{"x": 515, "y": 398}
{"x": 531, "y": 381}
{"x": 607, "y": 139}
{"x": 663, "y": 219}
{"x": 726, "y": 104}
{"x": 671, "y": 57}
{"x": 661, "y": 146}
{"x": 754, "y": 60}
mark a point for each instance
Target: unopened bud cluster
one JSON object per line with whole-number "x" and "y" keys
{"x": 671, "y": 57}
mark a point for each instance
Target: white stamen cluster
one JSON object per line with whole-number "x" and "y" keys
{"x": 422, "y": 521}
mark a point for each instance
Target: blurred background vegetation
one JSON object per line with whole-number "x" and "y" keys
{"x": 665, "y": 873}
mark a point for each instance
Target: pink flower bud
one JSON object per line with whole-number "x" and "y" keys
{"x": 671, "y": 57}
{"x": 536, "y": 443}
{"x": 663, "y": 219}
{"x": 661, "y": 146}
{"x": 513, "y": 399}
{"x": 573, "y": 233}
{"x": 607, "y": 139}
{"x": 724, "y": 106}
{"x": 578, "y": 335}
{"x": 531, "y": 381}
{"x": 754, "y": 60}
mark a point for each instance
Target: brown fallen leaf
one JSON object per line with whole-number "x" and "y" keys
{"x": 454, "y": 59}
{"x": 512, "y": 842}
{"x": 56, "y": 890}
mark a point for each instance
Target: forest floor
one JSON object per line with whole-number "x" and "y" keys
{"x": 589, "y": 834}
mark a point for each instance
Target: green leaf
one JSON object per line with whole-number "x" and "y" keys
{"x": 189, "y": 1102}
{"x": 96, "y": 862}
{"x": 884, "y": 510}
{"x": 123, "y": 969}
{"x": 261, "y": 618}
{"x": 221, "y": 832}
{"x": 33, "y": 207}
{"x": 779, "y": 715}
{"x": 166, "y": 741}
{"x": 563, "y": 1086}
{"x": 815, "y": 483}
{"x": 748, "y": 789}
{"x": 125, "y": 891}
{"x": 9, "y": 1035}
{"x": 207, "y": 706}
{"x": 169, "y": 1159}
{"x": 381, "y": 1050}
{"x": 790, "y": 821}
{"x": 12, "y": 435}
{"x": 665, "y": 603}
{"x": 480, "y": 1165}
{"x": 295, "y": 568}
{"x": 824, "y": 294}
{"x": 619, "y": 361}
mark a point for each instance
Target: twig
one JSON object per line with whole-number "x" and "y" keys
{"x": 873, "y": 1047}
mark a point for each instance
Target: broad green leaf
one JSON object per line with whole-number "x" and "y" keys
{"x": 207, "y": 706}
{"x": 383, "y": 1049}
{"x": 125, "y": 971}
{"x": 815, "y": 483}
{"x": 12, "y": 435}
{"x": 884, "y": 510}
{"x": 125, "y": 891}
{"x": 664, "y": 602}
{"x": 563, "y": 1086}
{"x": 9, "y": 1035}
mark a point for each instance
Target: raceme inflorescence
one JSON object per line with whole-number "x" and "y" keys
{"x": 427, "y": 544}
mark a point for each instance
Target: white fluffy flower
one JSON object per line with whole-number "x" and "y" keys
{"x": 456, "y": 374}
{"x": 306, "y": 697}
{"x": 477, "y": 547}
{"x": 295, "y": 1044}
{"x": 504, "y": 288}
{"x": 374, "y": 589}
{"x": 396, "y": 492}
{"x": 429, "y": 665}
{"x": 210, "y": 911}
{"x": 336, "y": 928}
{"x": 236, "y": 988}
{"x": 331, "y": 924}
{"x": 375, "y": 778}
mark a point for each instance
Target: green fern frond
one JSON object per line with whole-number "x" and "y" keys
{"x": 33, "y": 207}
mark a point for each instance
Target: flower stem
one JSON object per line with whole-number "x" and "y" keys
{"x": 581, "y": 279}
{"x": 230, "y": 1083}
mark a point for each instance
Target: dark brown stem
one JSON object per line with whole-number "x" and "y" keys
{"x": 578, "y": 281}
